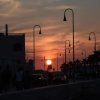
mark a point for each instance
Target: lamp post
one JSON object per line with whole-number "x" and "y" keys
{"x": 65, "y": 48}
{"x": 84, "y": 52}
{"x": 94, "y": 39}
{"x": 69, "y": 9}
{"x": 58, "y": 61}
{"x": 44, "y": 62}
{"x": 82, "y": 49}
{"x": 34, "y": 42}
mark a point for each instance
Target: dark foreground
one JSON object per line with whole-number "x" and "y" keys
{"x": 88, "y": 97}
{"x": 84, "y": 90}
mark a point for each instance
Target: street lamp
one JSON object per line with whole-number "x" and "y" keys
{"x": 34, "y": 42}
{"x": 94, "y": 39}
{"x": 81, "y": 47}
{"x": 44, "y": 62}
{"x": 84, "y": 53}
{"x": 58, "y": 61}
{"x": 69, "y": 9}
{"x": 65, "y": 48}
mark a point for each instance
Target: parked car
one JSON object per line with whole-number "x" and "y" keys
{"x": 39, "y": 80}
{"x": 60, "y": 79}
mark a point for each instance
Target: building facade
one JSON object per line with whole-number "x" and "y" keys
{"x": 12, "y": 50}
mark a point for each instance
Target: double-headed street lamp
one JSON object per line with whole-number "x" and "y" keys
{"x": 94, "y": 39}
{"x": 65, "y": 48}
{"x": 69, "y": 9}
{"x": 34, "y": 42}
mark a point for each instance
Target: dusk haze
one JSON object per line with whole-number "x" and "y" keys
{"x": 49, "y": 49}
{"x": 22, "y": 15}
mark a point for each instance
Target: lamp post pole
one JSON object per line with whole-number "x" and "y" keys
{"x": 94, "y": 39}
{"x": 65, "y": 48}
{"x": 44, "y": 63}
{"x": 84, "y": 53}
{"x": 69, "y": 9}
{"x": 34, "y": 43}
{"x": 82, "y": 49}
{"x": 57, "y": 61}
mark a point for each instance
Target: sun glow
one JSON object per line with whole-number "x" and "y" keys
{"x": 48, "y": 62}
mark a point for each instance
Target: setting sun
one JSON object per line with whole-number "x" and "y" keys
{"x": 49, "y": 62}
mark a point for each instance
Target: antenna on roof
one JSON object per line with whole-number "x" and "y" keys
{"x": 6, "y": 30}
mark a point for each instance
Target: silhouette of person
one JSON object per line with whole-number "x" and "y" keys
{"x": 19, "y": 79}
{"x": 27, "y": 79}
{"x": 6, "y": 78}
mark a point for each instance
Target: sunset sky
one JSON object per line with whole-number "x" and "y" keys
{"x": 22, "y": 15}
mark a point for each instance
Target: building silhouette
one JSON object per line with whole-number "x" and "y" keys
{"x": 12, "y": 49}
